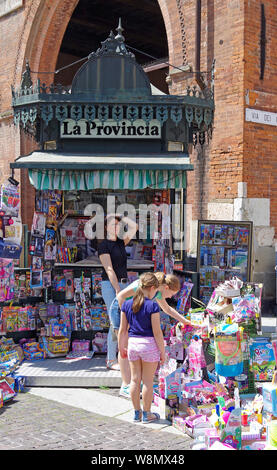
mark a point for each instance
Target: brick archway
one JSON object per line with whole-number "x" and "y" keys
{"x": 45, "y": 33}
{"x": 46, "y": 22}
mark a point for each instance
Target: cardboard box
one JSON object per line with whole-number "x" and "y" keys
{"x": 270, "y": 398}
{"x": 167, "y": 407}
{"x": 179, "y": 423}
{"x": 196, "y": 425}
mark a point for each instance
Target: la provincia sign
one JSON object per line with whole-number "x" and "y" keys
{"x": 261, "y": 117}
{"x": 110, "y": 129}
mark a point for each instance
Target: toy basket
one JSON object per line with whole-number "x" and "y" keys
{"x": 58, "y": 345}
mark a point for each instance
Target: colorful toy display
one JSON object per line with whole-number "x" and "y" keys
{"x": 221, "y": 399}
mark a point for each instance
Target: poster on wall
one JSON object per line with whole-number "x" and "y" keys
{"x": 223, "y": 251}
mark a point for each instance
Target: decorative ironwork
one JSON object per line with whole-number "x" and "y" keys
{"x": 202, "y": 138}
{"x": 47, "y": 113}
{"x": 132, "y": 113}
{"x": 89, "y": 112}
{"x": 189, "y": 114}
{"x": 176, "y": 114}
{"x": 76, "y": 112}
{"x": 26, "y": 81}
{"x": 194, "y": 139}
{"x": 103, "y": 113}
{"x": 162, "y": 113}
{"x": 61, "y": 112}
{"x": 147, "y": 113}
{"x": 111, "y": 46}
{"x": 24, "y": 117}
{"x": 198, "y": 112}
{"x": 117, "y": 112}
{"x": 32, "y": 115}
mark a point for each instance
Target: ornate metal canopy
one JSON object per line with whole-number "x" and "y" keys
{"x": 110, "y": 85}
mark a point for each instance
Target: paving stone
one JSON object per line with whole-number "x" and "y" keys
{"x": 34, "y": 422}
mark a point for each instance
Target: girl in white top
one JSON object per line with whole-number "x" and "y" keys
{"x": 169, "y": 285}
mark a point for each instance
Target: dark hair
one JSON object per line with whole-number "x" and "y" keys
{"x": 106, "y": 221}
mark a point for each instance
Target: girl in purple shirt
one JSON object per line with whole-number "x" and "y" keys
{"x": 141, "y": 339}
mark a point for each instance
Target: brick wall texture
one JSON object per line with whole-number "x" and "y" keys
{"x": 230, "y": 34}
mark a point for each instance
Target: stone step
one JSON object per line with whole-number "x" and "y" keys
{"x": 62, "y": 372}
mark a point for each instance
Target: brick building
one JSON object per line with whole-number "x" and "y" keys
{"x": 234, "y": 174}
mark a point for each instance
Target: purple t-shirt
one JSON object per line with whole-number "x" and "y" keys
{"x": 140, "y": 322}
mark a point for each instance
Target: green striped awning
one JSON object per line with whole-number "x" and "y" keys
{"x": 68, "y": 180}
{"x": 67, "y": 172}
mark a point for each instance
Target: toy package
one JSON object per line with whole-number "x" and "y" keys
{"x": 33, "y": 352}
{"x": 10, "y": 199}
{"x": 69, "y": 284}
{"x": 36, "y": 281}
{"x": 11, "y": 318}
{"x": 22, "y": 319}
{"x": 59, "y": 283}
{"x": 7, "y": 390}
{"x": 96, "y": 286}
{"x": 262, "y": 359}
{"x": 12, "y": 229}
{"x": 243, "y": 308}
{"x": 82, "y": 297}
{"x": 80, "y": 345}
{"x": 228, "y": 350}
{"x": 57, "y": 328}
{"x": 196, "y": 358}
{"x": 231, "y": 434}
{"x": 7, "y": 280}
{"x": 175, "y": 349}
{"x": 58, "y": 346}
{"x": 99, "y": 343}
{"x": 38, "y": 225}
{"x": 183, "y": 300}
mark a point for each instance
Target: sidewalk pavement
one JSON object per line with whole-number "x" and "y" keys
{"x": 81, "y": 419}
{"x": 104, "y": 402}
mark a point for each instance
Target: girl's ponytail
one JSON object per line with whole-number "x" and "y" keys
{"x": 147, "y": 280}
{"x": 138, "y": 300}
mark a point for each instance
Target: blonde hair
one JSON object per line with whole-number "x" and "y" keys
{"x": 147, "y": 280}
{"x": 169, "y": 280}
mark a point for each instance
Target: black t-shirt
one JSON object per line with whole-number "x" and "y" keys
{"x": 117, "y": 252}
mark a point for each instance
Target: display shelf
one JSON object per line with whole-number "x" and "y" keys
{"x": 223, "y": 246}
{"x": 236, "y": 268}
{"x": 95, "y": 263}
